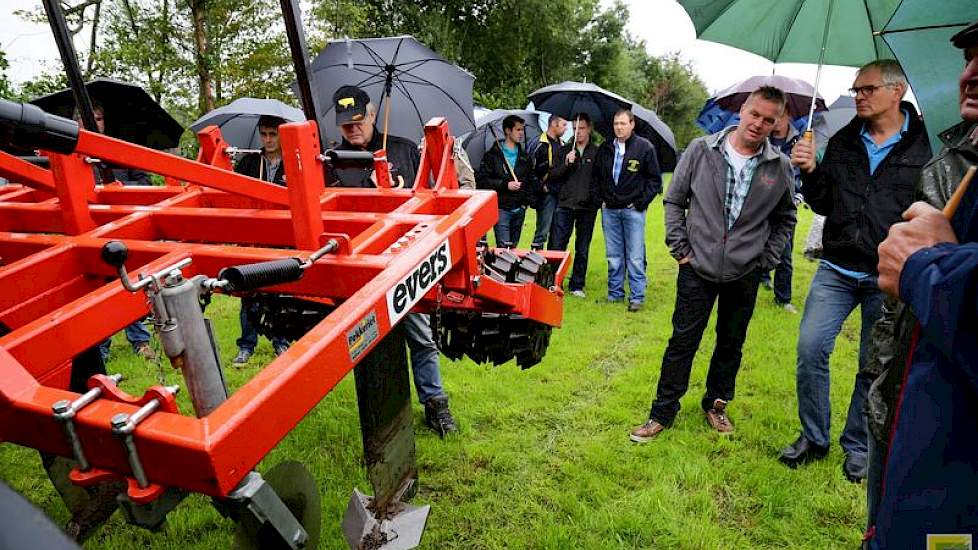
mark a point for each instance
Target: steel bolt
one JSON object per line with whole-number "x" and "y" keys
{"x": 61, "y": 407}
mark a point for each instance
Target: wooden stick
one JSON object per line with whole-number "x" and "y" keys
{"x": 952, "y": 205}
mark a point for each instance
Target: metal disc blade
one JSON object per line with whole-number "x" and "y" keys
{"x": 296, "y": 486}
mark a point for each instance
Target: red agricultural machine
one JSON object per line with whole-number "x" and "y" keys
{"x": 346, "y": 264}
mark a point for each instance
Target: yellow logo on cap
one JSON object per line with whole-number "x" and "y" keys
{"x": 347, "y": 102}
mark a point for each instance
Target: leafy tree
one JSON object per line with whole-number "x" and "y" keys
{"x": 6, "y": 89}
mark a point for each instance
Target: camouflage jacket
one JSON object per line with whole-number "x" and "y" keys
{"x": 892, "y": 334}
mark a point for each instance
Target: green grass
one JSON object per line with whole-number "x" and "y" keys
{"x": 543, "y": 458}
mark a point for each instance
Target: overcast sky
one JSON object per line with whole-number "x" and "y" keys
{"x": 663, "y": 24}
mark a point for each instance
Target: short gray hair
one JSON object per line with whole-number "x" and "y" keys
{"x": 890, "y": 71}
{"x": 371, "y": 108}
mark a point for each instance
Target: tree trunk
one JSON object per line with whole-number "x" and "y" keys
{"x": 91, "y": 49}
{"x": 198, "y": 13}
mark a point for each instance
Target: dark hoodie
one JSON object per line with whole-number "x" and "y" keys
{"x": 494, "y": 176}
{"x": 640, "y": 179}
{"x": 402, "y": 155}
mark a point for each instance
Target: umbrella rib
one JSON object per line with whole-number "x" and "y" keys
{"x": 407, "y": 94}
{"x": 794, "y": 18}
{"x": 925, "y": 28}
{"x": 446, "y": 94}
{"x": 378, "y": 59}
{"x": 869, "y": 19}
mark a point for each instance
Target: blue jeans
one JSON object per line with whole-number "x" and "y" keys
{"x": 509, "y": 226}
{"x": 249, "y": 332}
{"x": 424, "y": 356}
{"x": 782, "y": 273}
{"x": 136, "y": 334}
{"x": 545, "y": 216}
{"x": 831, "y": 299}
{"x": 624, "y": 239}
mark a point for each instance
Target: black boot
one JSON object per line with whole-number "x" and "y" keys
{"x": 438, "y": 417}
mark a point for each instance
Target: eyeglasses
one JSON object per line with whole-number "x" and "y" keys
{"x": 867, "y": 91}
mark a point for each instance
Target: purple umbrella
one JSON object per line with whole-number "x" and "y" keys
{"x": 797, "y": 92}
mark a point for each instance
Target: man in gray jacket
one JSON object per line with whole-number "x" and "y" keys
{"x": 729, "y": 212}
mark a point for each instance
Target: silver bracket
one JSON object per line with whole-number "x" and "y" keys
{"x": 256, "y": 497}
{"x": 123, "y": 426}
{"x": 65, "y": 411}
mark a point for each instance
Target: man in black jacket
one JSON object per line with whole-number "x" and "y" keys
{"x": 355, "y": 115}
{"x": 628, "y": 176}
{"x": 577, "y": 200}
{"x": 507, "y": 169}
{"x": 546, "y": 159}
{"x": 266, "y": 166}
{"x": 863, "y": 184}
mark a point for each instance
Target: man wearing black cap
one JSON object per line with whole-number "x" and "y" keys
{"x": 355, "y": 115}
{"x": 267, "y": 166}
{"x": 924, "y": 463}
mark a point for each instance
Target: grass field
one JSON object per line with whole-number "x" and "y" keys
{"x": 543, "y": 458}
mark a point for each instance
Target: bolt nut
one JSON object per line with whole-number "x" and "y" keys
{"x": 120, "y": 421}
{"x": 61, "y": 407}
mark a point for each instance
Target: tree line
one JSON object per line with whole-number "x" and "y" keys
{"x": 195, "y": 55}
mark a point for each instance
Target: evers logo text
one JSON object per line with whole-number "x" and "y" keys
{"x": 409, "y": 291}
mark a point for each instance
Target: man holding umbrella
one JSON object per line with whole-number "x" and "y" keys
{"x": 863, "y": 185}
{"x": 577, "y": 200}
{"x": 628, "y": 176}
{"x": 507, "y": 170}
{"x": 267, "y": 166}
{"x": 355, "y": 115}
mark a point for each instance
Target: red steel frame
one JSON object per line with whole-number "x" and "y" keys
{"x": 60, "y": 299}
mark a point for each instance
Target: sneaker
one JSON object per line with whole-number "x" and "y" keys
{"x": 242, "y": 357}
{"x": 438, "y": 417}
{"x": 143, "y": 350}
{"x": 634, "y": 306}
{"x": 788, "y": 307}
{"x": 578, "y": 293}
{"x": 646, "y": 432}
{"x": 280, "y": 349}
{"x": 766, "y": 283}
{"x": 717, "y": 418}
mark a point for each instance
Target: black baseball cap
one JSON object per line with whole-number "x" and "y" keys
{"x": 350, "y": 103}
{"x": 967, "y": 37}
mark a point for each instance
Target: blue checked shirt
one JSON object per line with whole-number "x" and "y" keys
{"x": 619, "y": 160}
{"x": 738, "y": 185}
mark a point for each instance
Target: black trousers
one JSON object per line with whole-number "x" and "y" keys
{"x": 565, "y": 221}
{"x": 695, "y": 297}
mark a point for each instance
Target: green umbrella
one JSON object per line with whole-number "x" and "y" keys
{"x": 843, "y": 32}
{"x": 919, "y": 34}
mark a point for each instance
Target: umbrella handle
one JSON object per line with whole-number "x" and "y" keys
{"x": 387, "y": 115}
{"x": 952, "y": 204}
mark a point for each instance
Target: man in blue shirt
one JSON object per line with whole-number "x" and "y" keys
{"x": 862, "y": 186}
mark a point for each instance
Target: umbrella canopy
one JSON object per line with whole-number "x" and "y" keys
{"x": 919, "y": 34}
{"x": 651, "y": 127}
{"x": 238, "y": 120}
{"x": 791, "y": 31}
{"x": 798, "y": 94}
{"x": 421, "y": 84}
{"x": 840, "y": 113}
{"x": 570, "y": 98}
{"x": 130, "y": 113}
{"x": 477, "y": 142}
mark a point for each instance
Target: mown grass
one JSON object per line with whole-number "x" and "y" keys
{"x": 543, "y": 458}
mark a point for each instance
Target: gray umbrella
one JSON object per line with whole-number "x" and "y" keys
{"x": 238, "y": 120}
{"x": 650, "y": 126}
{"x": 798, "y": 93}
{"x": 420, "y": 82}
{"x": 477, "y": 142}
{"x": 840, "y": 113}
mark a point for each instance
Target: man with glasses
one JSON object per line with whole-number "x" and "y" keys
{"x": 863, "y": 184}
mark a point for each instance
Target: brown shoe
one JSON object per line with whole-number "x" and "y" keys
{"x": 646, "y": 432}
{"x": 143, "y": 350}
{"x": 717, "y": 418}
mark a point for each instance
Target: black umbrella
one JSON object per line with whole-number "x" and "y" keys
{"x": 570, "y": 98}
{"x": 238, "y": 120}
{"x": 840, "y": 113}
{"x": 650, "y": 126}
{"x": 489, "y": 128}
{"x": 414, "y": 81}
{"x": 130, "y": 113}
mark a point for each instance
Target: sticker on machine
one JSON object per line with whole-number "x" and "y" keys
{"x": 409, "y": 290}
{"x": 359, "y": 338}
